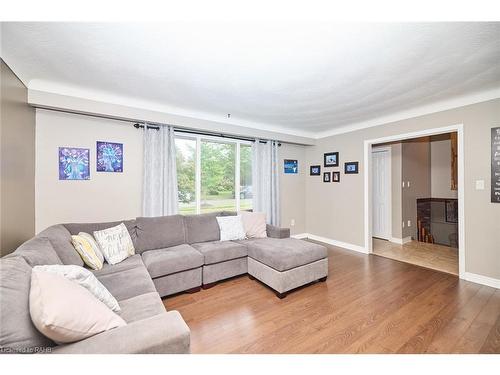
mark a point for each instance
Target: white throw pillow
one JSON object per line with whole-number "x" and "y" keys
{"x": 115, "y": 243}
{"x": 66, "y": 312}
{"x": 86, "y": 279}
{"x": 95, "y": 246}
{"x": 254, "y": 224}
{"x": 231, "y": 228}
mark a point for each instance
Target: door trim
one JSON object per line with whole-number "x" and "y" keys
{"x": 459, "y": 128}
{"x": 387, "y": 149}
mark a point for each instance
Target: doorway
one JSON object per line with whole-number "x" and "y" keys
{"x": 433, "y": 237}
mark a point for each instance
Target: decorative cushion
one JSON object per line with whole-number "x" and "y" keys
{"x": 231, "y": 228}
{"x": 86, "y": 279}
{"x": 66, "y": 312}
{"x": 115, "y": 243}
{"x": 84, "y": 248}
{"x": 17, "y": 332}
{"x": 254, "y": 224}
{"x": 94, "y": 244}
{"x": 38, "y": 251}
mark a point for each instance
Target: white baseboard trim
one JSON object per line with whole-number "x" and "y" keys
{"x": 484, "y": 280}
{"x": 400, "y": 241}
{"x": 345, "y": 245}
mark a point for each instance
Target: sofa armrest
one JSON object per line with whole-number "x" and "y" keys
{"x": 163, "y": 333}
{"x": 277, "y": 232}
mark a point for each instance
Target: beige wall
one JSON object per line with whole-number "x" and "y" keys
{"x": 441, "y": 170}
{"x": 416, "y": 175}
{"x": 336, "y": 211}
{"x": 116, "y": 196}
{"x": 17, "y": 217}
{"x": 292, "y": 189}
{"x": 106, "y": 196}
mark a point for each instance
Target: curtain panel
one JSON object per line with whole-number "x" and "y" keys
{"x": 265, "y": 180}
{"x": 159, "y": 193}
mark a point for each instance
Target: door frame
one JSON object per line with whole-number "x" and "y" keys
{"x": 387, "y": 149}
{"x": 459, "y": 128}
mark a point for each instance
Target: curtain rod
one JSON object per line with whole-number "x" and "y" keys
{"x": 221, "y": 135}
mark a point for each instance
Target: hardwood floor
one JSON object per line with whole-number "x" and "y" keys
{"x": 369, "y": 304}
{"x": 428, "y": 255}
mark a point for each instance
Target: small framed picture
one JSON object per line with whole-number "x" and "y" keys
{"x": 351, "y": 167}
{"x": 335, "y": 176}
{"x": 315, "y": 170}
{"x": 327, "y": 177}
{"x": 291, "y": 166}
{"x": 331, "y": 159}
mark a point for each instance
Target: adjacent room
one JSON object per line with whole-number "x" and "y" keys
{"x": 415, "y": 201}
{"x": 207, "y": 186}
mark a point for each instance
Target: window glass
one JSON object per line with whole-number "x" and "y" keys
{"x": 186, "y": 174}
{"x": 245, "y": 177}
{"x": 217, "y": 176}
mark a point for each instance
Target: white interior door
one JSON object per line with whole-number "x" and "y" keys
{"x": 381, "y": 193}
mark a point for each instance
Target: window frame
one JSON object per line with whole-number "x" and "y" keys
{"x": 237, "y": 173}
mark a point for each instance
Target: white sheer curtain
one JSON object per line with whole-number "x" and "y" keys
{"x": 265, "y": 180}
{"x": 159, "y": 193}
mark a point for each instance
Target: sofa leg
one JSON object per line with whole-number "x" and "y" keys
{"x": 323, "y": 279}
{"x": 193, "y": 290}
{"x": 251, "y": 277}
{"x": 209, "y": 285}
{"x": 280, "y": 295}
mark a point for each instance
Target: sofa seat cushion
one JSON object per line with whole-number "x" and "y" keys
{"x": 285, "y": 253}
{"x": 131, "y": 262}
{"x": 179, "y": 258}
{"x": 141, "y": 307}
{"x": 38, "y": 251}
{"x": 220, "y": 251}
{"x": 128, "y": 283}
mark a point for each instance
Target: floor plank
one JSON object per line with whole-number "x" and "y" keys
{"x": 369, "y": 304}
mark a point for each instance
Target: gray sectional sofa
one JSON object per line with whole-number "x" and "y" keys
{"x": 173, "y": 254}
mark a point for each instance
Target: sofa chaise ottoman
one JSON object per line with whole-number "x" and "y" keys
{"x": 287, "y": 263}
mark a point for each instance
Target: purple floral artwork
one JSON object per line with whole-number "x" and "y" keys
{"x": 74, "y": 163}
{"x": 109, "y": 157}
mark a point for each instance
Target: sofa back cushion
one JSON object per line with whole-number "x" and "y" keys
{"x": 159, "y": 232}
{"x": 17, "y": 332}
{"x": 60, "y": 239}
{"x": 202, "y": 228}
{"x": 38, "y": 251}
{"x": 76, "y": 228}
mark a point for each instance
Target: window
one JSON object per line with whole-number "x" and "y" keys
{"x": 213, "y": 175}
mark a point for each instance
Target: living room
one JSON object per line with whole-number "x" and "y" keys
{"x": 176, "y": 188}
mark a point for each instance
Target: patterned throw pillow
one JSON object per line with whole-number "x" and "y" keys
{"x": 84, "y": 248}
{"x": 231, "y": 228}
{"x": 86, "y": 279}
{"x": 94, "y": 245}
{"x": 115, "y": 243}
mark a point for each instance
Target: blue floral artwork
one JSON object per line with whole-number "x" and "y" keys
{"x": 109, "y": 157}
{"x": 74, "y": 163}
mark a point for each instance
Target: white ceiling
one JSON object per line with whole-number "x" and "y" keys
{"x": 303, "y": 79}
